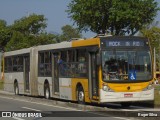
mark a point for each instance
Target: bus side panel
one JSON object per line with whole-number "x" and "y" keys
{"x": 84, "y": 83}
{"x": 9, "y": 81}
{"x": 65, "y": 88}
{"x": 41, "y": 81}
{"x": 33, "y": 72}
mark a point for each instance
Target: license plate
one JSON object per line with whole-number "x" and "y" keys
{"x": 128, "y": 95}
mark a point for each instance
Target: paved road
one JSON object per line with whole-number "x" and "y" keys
{"x": 42, "y": 109}
{"x": 59, "y": 110}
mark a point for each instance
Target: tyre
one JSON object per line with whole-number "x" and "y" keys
{"x": 16, "y": 89}
{"x": 80, "y": 96}
{"x": 47, "y": 92}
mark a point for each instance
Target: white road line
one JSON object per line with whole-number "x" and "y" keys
{"x": 17, "y": 118}
{"x": 121, "y": 118}
{"x": 137, "y": 110}
{"x": 30, "y": 109}
{"x": 40, "y": 103}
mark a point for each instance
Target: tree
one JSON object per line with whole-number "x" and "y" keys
{"x": 115, "y": 16}
{"x": 33, "y": 24}
{"x": 5, "y": 34}
{"x": 29, "y": 31}
{"x": 153, "y": 34}
{"x": 20, "y": 41}
{"x": 68, "y": 32}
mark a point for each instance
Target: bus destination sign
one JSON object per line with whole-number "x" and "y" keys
{"x": 124, "y": 43}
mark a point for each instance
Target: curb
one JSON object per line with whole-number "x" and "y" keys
{"x": 5, "y": 92}
{"x": 102, "y": 111}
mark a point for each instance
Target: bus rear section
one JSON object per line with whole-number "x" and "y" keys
{"x": 19, "y": 71}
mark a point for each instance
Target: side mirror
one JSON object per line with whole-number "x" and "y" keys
{"x": 99, "y": 60}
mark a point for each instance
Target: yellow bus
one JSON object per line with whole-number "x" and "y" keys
{"x": 96, "y": 70}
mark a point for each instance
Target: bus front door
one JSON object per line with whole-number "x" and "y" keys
{"x": 26, "y": 73}
{"x": 55, "y": 74}
{"x": 93, "y": 77}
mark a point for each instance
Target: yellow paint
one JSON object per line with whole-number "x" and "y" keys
{"x": 84, "y": 83}
{"x": 95, "y": 97}
{"x": 87, "y": 42}
{"x": 123, "y": 87}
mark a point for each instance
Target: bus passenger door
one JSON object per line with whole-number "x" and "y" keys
{"x": 55, "y": 74}
{"x": 93, "y": 77}
{"x": 26, "y": 73}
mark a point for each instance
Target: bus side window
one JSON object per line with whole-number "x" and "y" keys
{"x": 15, "y": 59}
{"x": 62, "y": 63}
{"x": 20, "y": 63}
{"x": 70, "y": 63}
{"x": 41, "y": 64}
{"x": 82, "y": 58}
{"x": 47, "y": 64}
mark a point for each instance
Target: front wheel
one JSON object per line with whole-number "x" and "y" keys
{"x": 81, "y": 95}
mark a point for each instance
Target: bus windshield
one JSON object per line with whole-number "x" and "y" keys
{"x": 126, "y": 65}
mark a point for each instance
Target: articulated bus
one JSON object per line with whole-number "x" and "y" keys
{"x": 96, "y": 70}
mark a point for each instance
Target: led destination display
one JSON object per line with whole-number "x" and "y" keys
{"x": 114, "y": 43}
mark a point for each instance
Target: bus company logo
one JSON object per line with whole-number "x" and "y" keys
{"x": 6, "y": 114}
{"x": 128, "y": 88}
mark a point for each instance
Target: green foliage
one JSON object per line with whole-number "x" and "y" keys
{"x": 33, "y": 24}
{"x": 30, "y": 31}
{"x": 19, "y": 40}
{"x": 115, "y": 16}
{"x": 5, "y": 34}
{"x": 153, "y": 34}
{"x": 27, "y": 32}
{"x": 68, "y": 32}
{"x": 157, "y": 96}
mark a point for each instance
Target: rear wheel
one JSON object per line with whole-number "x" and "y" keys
{"x": 80, "y": 96}
{"x": 16, "y": 89}
{"x": 47, "y": 91}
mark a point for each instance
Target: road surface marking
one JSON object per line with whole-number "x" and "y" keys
{"x": 30, "y": 109}
{"x": 40, "y": 103}
{"x": 17, "y": 118}
{"x": 122, "y": 118}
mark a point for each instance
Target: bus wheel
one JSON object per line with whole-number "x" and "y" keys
{"x": 80, "y": 96}
{"x": 16, "y": 89}
{"x": 125, "y": 104}
{"x": 47, "y": 92}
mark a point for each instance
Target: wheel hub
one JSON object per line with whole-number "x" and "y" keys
{"x": 81, "y": 96}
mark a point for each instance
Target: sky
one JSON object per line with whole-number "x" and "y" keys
{"x": 53, "y": 10}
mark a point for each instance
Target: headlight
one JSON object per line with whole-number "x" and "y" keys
{"x": 149, "y": 87}
{"x": 107, "y": 88}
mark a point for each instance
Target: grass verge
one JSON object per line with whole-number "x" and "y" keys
{"x": 157, "y": 96}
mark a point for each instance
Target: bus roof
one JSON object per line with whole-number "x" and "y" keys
{"x": 17, "y": 52}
